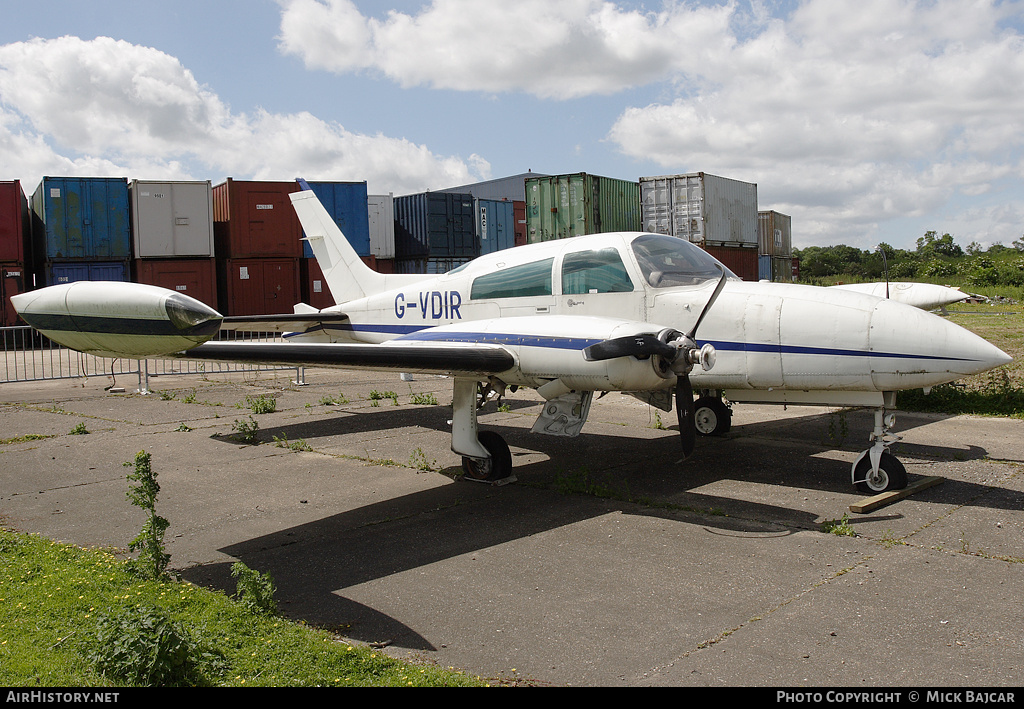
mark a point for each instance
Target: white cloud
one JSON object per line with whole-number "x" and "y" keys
{"x": 108, "y": 107}
{"x": 555, "y": 50}
{"x": 851, "y": 115}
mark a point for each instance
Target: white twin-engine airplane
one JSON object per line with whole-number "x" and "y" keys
{"x": 647, "y": 314}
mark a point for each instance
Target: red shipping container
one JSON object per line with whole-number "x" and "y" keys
{"x": 196, "y": 277}
{"x": 258, "y": 286}
{"x": 740, "y": 260}
{"x": 519, "y": 216}
{"x": 14, "y": 222}
{"x": 255, "y": 220}
{"x": 12, "y": 282}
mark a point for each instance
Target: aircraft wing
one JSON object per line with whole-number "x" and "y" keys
{"x": 298, "y": 322}
{"x": 451, "y": 358}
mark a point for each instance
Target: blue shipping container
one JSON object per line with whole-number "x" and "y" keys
{"x": 74, "y": 271}
{"x": 495, "y": 225}
{"x": 347, "y": 203}
{"x": 435, "y": 225}
{"x": 764, "y": 268}
{"x": 83, "y": 218}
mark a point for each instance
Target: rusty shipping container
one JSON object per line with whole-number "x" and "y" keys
{"x": 12, "y": 282}
{"x": 172, "y": 219}
{"x": 14, "y": 223}
{"x": 258, "y": 286}
{"x": 741, "y": 260}
{"x": 563, "y": 206}
{"x": 254, "y": 219}
{"x": 774, "y": 234}
{"x": 701, "y": 208}
{"x": 194, "y": 277}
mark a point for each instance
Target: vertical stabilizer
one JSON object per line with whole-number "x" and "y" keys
{"x": 348, "y": 278}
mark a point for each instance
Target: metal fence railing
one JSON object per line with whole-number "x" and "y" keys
{"x": 29, "y": 356}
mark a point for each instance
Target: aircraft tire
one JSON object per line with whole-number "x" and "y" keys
{"x": 891, "y": 475}
{"x": 711, "y": 416}
{"x": 498, "y": 467}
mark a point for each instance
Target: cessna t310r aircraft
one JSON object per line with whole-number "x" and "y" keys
{"x": 647, "y": 314}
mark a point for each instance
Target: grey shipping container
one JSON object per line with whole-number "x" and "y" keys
{"x": 82, "y": 218}
{"x": 563, "y": 206}
{"x": 774, "y": 234}
{"x": 495, "y": 224}
{"x": 171, "y": 219}
{"x": 435, "y": 225}
{"x": 381, "y": 215}
{"x": 701, "y": 208}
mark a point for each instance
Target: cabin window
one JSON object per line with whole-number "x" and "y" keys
{"x": 594, "y": 272}
{"x": 667, "y": 261}
{"x": 530, "y": 279}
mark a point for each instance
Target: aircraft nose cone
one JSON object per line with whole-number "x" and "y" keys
{"x": 913, "y": 348}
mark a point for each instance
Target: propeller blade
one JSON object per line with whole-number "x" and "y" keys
{"x": 714, "y": 296}
{"x": 685, "y": 414}
{"x": 632, "y": 345}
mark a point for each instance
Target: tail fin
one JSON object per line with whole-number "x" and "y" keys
{"x": 348, "y": 278}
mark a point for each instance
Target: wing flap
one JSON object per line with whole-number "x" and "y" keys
{"x": 434, "y": 358}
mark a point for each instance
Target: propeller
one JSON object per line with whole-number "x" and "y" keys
{"x": 676, "y": 353}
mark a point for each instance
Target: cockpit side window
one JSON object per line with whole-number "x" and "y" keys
{"x": 667, "y": 261}
{"x": 529, "y": 279}
{"x": 594, "y": 272}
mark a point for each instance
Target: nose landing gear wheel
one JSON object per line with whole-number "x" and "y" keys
{"x": 891, "y": 475}
{"x": 711, "y": 416}
{"x": 497, "y": 467}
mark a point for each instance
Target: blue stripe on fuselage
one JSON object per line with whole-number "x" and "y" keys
{"x": 419, "y": 333}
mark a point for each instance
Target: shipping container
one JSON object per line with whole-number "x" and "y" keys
{"x": 563, "y": 206}
{"x": 495, "y": 224}
{"x": 194, "y": 277}
{"x": 796, "y": 269}
{"x": 172, "y": 219}
{"x": 258, "y": 286}
{"x": 381, "y": 216}
{"x": 348, "y": 204}
{"x": 764, "y": 267}
{"x": 14, "y": 223}
{"x": 12, "y": 282}
{"x": 520, "y": 226}
{"x": 774, "y": 234}
{"x": 741, "y": 260}
{"x": 782, "y": 269}
{"x": 82, "y": 218}
{"x": 435, "y": 225}
{"x": 255, "y": 220}
{"x": 701, "y": 208}
{"x": 58, "y": 272}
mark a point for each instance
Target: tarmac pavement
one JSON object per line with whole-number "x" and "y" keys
{"x": 606, "y": 563}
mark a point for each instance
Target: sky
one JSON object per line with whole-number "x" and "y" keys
{"x": 867, "y": 122}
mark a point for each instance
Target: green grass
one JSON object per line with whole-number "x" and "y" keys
{"x": 54, "y": 596}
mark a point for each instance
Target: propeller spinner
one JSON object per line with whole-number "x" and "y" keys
{"x": 676, "y": 353}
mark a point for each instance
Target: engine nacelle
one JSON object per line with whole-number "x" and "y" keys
{"x": 115, "y": 319}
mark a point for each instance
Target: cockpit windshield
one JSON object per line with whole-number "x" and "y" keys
{"x": 667, "y": 261}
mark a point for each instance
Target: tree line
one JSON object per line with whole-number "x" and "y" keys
{"x": 935, "y": 258}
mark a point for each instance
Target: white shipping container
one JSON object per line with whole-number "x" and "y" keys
{"x": 171, "y": 219}
{"x": 381, "y": 211}
{"x": 701, "y": 208}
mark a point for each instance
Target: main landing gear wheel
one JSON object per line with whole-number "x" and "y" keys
{"x": 497, "y": 467}
{"x": 891, "y": 475}
{"x": 711, "y": 416}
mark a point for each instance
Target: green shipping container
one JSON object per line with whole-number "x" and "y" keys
{"x": 561, "y": 206}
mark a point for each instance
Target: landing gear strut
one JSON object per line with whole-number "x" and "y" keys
{"x": 485, "y": 455}
{"x": 876, "y": 469}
